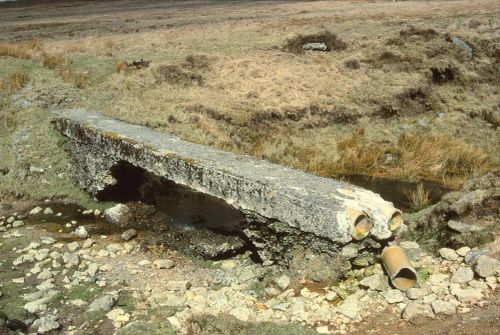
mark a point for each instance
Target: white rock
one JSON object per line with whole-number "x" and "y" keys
{"x": 415, "y": 293}
{"x": 71, "y": 259}
{"x": 429, "y": 298}
{"x": 73, "y": 246}
{"x": 414, "y": 309}
{"x": 463, "y": 251}
{"x": 48, "y": 211}
{"x": 448, "y": 254}
{"x": 462, "y": 275}
{"x": 438, "y": 278}
{"x": 102, "y": 304}
{"x": 376, "y": 282}
{"x": 283, "y": 281}
{"x": 36, "y": 210}
{"x": 81, "y": 232}
{"x": 468, "y": 295}
{"x": 394, "y": 296}
{"x": 88, "y": 212}
{"x": 164, "y": 263}
{"x": 144, "y": 262}
{"x": 443, "y": 307}
{"x": 88, "y": 243}
{"x": 17, "y": 224}
{"x": 116, "y": 214}
{"x": 487, "y": 266}
{"x": 45, "y": 324}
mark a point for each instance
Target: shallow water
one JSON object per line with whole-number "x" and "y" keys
{"x": 397, "y": 191}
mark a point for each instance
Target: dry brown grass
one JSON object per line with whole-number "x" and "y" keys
{"x": 121, "y": 66}
{"x": 15, "y": 50}
{"x": 413, "y": 158}
{"x": 17, "y": 79}
{"x": 52, "y": 62}
{"x": 77, "y": 78}
{"x": 3, "y": 86}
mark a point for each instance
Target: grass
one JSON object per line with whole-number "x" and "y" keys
{"x": 15, "y": 50}
{"x": 77, "y": 78}
{"x": 52, "y": 62}
{"x": 41, "y": 146}
{"x": 226, "y": 325}
{"x": 419, "y": 199}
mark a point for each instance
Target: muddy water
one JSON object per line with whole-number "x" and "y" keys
{"x": 398, "y": 192}
{"x": 70, "y": 212}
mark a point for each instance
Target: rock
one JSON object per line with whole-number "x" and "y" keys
{"x": 102, "y": 304}
{"x": 164, "y": 263}
{"x": 174, "y": 322}
{"x": 87, "y": 212}
{"x": 41, "y": 254}
{"x": 36, "y": 210}
{"x": 282, "y": 282}
{"x": 394, "y": 296}
{"x": 468, "y": 295}
{"x": 117, "y": 214}
{"x": 48, "y": 240}
{"x": 350, "y": 308}
{"x": 118, "y": 317}
{"x": 19, "y": 280}
{"x": 438, "y": 278}
{"x": 412, "y": 250}
{"x": 45, "y": 324}
{"x": 463, "y": 227}
{"x": 103, "y": 253}
{"x": 71, "y": 259}
{"x": 17, "y": 224}
{"x": 349, "y": 251}
{"x": 45, "y": 274}
{"x": 129, "y": 234}
{"x": 487, "y": 266}
{"x": 443, "y": 307}
{"x": 177, "y": 285}
{"x": 315, "y": 46}
{"x": 463, "y": 251}
{"x": 37, "y": 306}
{"x": 11, "y": 219}
{"x": 88, "y": 243}
{"x": 115, "y": 248}
{"x": 73, "y": 246}
{"x": 448, "y": 254}
{"x": 415, "y": 293}
{"x": 144, "y": 262}
{"x": 469, "y": 200}
{"x": 473, "y": 255}
{"x": 462, "y": 275}
{"x": 414, "y": 309}
{"x": 323, "y": 330}
{"x": 331, "y": 296}
{"x": 429, "y": 298}
{"x": 376, "y": 282}
{"x": 48, "y": 211}
{"x": 81, "y": 232}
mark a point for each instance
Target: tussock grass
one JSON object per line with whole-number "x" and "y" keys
{"x": 17, "y": 79}
{"x": 121, "y": 66}
{"x": 413, "y": 158}
{"x": 419, "y": 199}
{"x": 77, "y": 78}
{"x": 52, "y": 62}
{"x": 15, "y": 50}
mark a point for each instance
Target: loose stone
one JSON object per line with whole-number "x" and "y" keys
{"x": 129, "y": 234}
{"x": 81, "y": 232}
{"x": 448, "y": 254}
{"x": 462, "y": 275}
{"x": 164, "y": 263}
{"x": 487, "y": 266}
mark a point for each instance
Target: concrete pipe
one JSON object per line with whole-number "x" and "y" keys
{"x": 361, "y": 224}
{"x": 399, "y": 269}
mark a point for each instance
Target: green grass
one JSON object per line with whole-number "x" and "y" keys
{"x": 28, "y": 139}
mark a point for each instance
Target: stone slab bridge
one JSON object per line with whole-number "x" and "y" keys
{"x": 285, "y": 207}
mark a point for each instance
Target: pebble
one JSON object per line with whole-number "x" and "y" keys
{"x": 164, "y": 263}
{"x": 129, "y": 234}
{"x": 48, "y": 211}
{"x": 448, "y": 254}
{"x": 443, "y": 307}
{"x": 81, "y": 232}
{"x": 36, "y": 210}
{"x": 393, "y": 296}
{"x": 283, "y": 282}
{"x": 73, "y": 246}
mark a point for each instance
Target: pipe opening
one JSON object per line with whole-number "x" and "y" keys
{"x": 404, "y": 279}
{"x": 395, "y": 221}
{"x": 362, "y": 227}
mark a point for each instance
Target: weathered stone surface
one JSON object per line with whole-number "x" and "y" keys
{"x": 462, "y": 275}
{"x": 311, "y": 204}
{"x": 376, "y": 282}
{"x": 129, "y": 234}
{"x": 473, "y": 255}
{"x": 487, "y": 266}
{"x": 117, "y": 214}
{"x": 102, "y": 304}
{"x": 463, "y": 227}
{"x": 443, "y": 307}
{"x": 414, "y": 309}
{"x": 164, "y": 263}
